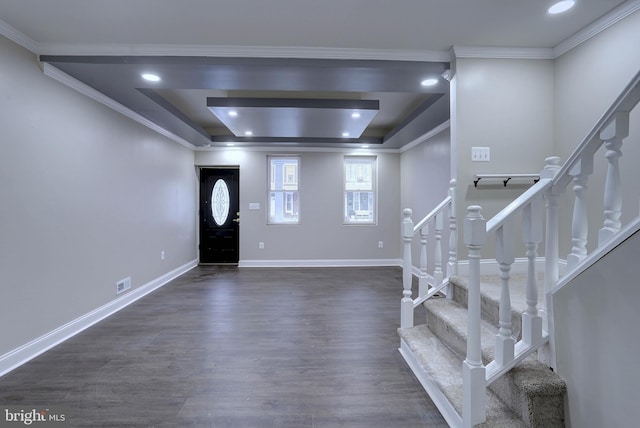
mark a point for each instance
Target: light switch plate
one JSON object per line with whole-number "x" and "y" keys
{"x": 480, "y": 154}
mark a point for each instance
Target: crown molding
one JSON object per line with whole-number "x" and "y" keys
{"x": 491, "y": 52}
{"x": 18, "y": 37}
{"x": 244, "y": 51}
{"x": 64, "y": 78}
{"x": 597, "y": 27}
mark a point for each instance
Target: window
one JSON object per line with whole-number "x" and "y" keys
{"x": 284, "y": 198}
{"x": 359, "y": 190}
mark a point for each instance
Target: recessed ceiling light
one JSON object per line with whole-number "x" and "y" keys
{"x": 561, "y": 6}
{"x": 233, "y": 113}
{"x": 149, "y": 77}
{"x": 345, "y": 134}
{"x": 248, "y": 133}
{"x": 355, "y": 115}
{"x": 429, "y": 82}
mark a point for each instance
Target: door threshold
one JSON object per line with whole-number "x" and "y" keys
{"x": 217, "y": 264}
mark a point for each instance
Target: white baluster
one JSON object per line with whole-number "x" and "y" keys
{"x": 473, "y": 371}
{"x": 505, "y": 255}
{"x": 532, "y": 235}
{"x": 406, "y": 310}
{"x": 423, "y": 282}
{"x": 452, "y": 265}
{"x": 580, "y": 224}
{"x": 438, "y": 274}
{"x": 613, "y": 134}
{"x": 551, "y": 272}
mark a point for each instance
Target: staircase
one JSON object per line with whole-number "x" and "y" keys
{"x": 530, "y": 395}
{"x": 486, "y": 348}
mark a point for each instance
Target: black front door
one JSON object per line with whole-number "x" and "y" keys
{"x": 219, "y": 215}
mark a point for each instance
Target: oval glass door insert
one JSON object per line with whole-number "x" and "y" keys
{"x": 220, "y": 202}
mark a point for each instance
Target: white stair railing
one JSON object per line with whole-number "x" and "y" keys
{"x": 428, "y": 284}
{"x": 610, "y": 131}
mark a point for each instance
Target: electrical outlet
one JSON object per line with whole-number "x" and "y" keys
{"x": 261, "y": 245}
{"x": 380, "y": 244}
{"x": 161, "y": 255}
{"x": 123, "y": 285}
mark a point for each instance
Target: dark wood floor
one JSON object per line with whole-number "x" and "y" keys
{"x": 229, "y": 347}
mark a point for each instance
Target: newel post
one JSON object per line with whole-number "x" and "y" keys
{"x": 473, "y": 371}
{"x": 406, "y": 307}
{"x": 613, "y": 134}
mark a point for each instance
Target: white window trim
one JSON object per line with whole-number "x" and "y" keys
{"x": 374, "y": 190}
{"x": 286, "y": 190}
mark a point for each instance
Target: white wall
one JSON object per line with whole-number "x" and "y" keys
{"x": 506, "y": 105}
{"x": 320, "y": 237}
{"x": 595, "y": 350}
{"x": 87, "y": 197}
{"x": 597, "y": 345}
{"x": 588, "y": 79}
{"x": 425, "y": 176}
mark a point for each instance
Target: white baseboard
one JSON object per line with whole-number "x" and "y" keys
{"x": 320, "y": 263}
{"x": 19, "y": 356}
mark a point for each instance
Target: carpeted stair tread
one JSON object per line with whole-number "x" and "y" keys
{"x": 444, "y": 368}
{"x": 531, "y": 389}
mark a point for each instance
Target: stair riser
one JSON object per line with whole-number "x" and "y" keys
{"x": 448, "y": 335}
{"x": 455, "y": 337}
{"x": 545, "y": 411}
{"x": 490, "y": 310}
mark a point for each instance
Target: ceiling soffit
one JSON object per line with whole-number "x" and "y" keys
{"x": 259, "y": 80}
